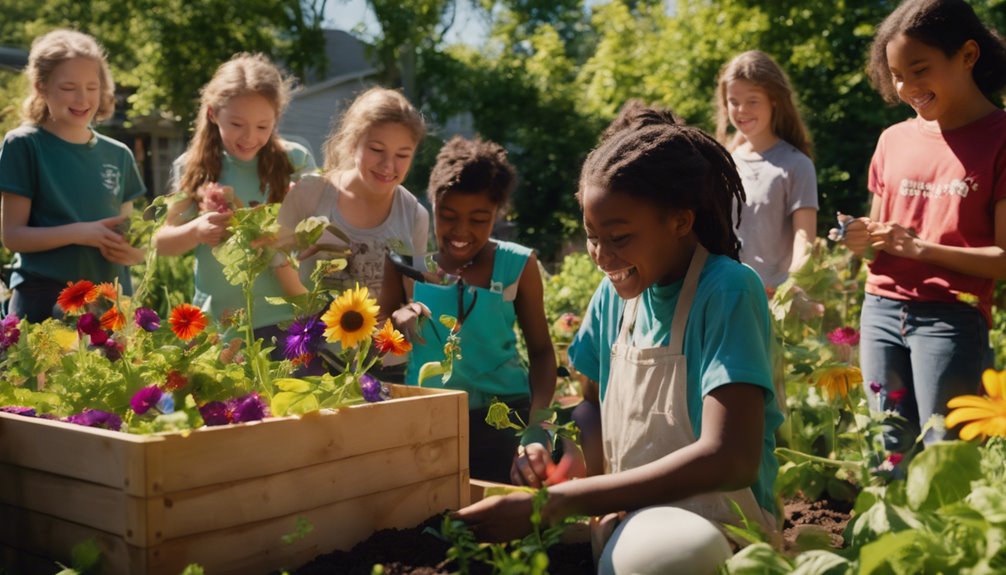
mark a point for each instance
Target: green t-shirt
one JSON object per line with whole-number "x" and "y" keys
{"x": 67, "y": 183}
{"x": 213, "y": 292}
{"x": 727, "y": 340}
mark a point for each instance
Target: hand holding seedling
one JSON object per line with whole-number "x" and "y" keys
{"x": 211, "y": 227}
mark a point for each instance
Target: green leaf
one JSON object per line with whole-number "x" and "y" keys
{"x": 430, "y": 369}
{"x": 293, "y": 403}
{"x": 893, "y": 552}
{"x": 758, "y": 559}
{"x": 880, "y": 520}
{"x": 820, "y": 562}
{"x": 942, "y": 474}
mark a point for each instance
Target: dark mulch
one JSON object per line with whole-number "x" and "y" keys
{"x": 827, "y": 516}
{"x": 413, "y": 552}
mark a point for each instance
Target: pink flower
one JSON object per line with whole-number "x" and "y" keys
{"x": 897, "y": 395}
{"x": 844, "y": 336}
{"x": 895, "y": 458}
{"x": 145, "y": 398}
{"x": 875, "y": 387}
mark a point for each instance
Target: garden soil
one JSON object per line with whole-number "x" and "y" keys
{"x": 416, "y": 552}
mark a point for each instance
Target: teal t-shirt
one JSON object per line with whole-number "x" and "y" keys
{"x": 727, "y": 340}
{"x": 490, "y": 365}
{"x": 213, "y": 292}
{"x": 67, "y": 183}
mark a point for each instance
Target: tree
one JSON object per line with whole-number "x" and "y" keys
{"x": 163, "y": 51}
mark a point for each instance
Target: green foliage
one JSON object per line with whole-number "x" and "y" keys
{"x": 163, "y": 51}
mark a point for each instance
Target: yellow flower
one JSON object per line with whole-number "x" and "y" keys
{"x": 66, "y": 338}
{"x": 838, "y": 380}
{"x": 351, "y": 318}
{"x": 987, "y": 415}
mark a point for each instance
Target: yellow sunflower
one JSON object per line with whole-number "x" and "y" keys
{"x": 838, "y": 380}
{"x": 351, "y": 318}
{"x": 987, "y": 415}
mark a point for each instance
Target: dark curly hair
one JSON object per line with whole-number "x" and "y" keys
{"x": 945, "y": 25}
{"x": 674, "y": 167}
{"x": 635, "y": 112}
{"x": 472, "y": 167}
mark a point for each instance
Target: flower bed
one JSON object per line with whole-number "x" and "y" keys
{"x": 224, "y": 497}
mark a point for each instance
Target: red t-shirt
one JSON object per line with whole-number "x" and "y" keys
{"x": 944, "y": 185}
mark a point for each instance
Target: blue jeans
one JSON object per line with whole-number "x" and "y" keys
{"x": 934, "y": 351}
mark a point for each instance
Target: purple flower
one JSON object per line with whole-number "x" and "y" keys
{"x": 96, "y": 418}
{"x": 247, "y": 408}
{"x": 113, "y": 350}
{"x": 99, "y": 337}
{"x": 9, "y": 333}
{"x": 18, "y": 410}
{"x": 303, "y": 337}
{"x": 214, "y": 413}
{"x": 372, "y": 389}
{"x": 147, "y": 319}
{"x": 146, "y": 398}
{"x": 875, "y": 387}
{"x": 89, "y": 324}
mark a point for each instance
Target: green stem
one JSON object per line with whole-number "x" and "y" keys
{"x": 794, "y": 455}
{"x": 250, "y": 336}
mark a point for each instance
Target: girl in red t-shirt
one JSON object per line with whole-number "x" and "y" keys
{"x": 936, "y": 222}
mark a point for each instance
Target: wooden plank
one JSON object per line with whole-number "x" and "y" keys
{"x": 465, "y": 476}
{"x": 217, "y": 455}
{"x": 47, "y": 536}
{"x": 89, "y": 504}
{"x": 255, "y": 548}
{"x": 96, "y": 455}
{"x": 231, "y": 504}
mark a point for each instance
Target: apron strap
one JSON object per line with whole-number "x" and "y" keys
{"x": 684, "y": 305}
{"x": 628, "y": 321}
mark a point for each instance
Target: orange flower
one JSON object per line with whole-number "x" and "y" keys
{"x": 390, "y": 339}
{"x": 187, "y": 321}
{"x": 113, "y": 319}
{"x": 75, "y": 296}
{"x": 108, "y": 291}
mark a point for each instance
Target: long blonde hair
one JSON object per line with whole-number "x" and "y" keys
{"x": 373, "y": 107}
{"x": 49, "y": 51}
{"x": 243, "y": 74}
{"x": 761, "y": 70}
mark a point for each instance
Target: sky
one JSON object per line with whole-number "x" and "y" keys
{"x": 468, "y": 27}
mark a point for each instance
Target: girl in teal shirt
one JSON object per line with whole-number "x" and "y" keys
{"x": 495, "y": 283}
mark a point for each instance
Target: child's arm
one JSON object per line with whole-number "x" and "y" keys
{"x": 289, "y": 280}
{"x": 804, "y": 232}
{"x": 18, "y": 236}
{"x": 984, "y": 262}
{"x": 177, "y": 237}
{"x": 530, "y": 307}
{"x": 726, "y": 457}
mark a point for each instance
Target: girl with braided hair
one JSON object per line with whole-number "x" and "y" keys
{"x": 681, "y": 439}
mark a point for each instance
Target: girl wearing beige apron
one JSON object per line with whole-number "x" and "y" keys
{"x": 644, "y": 417}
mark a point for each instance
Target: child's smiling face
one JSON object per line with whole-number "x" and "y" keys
{"x": 930, "y": 82}
{"x": 464, "y": 222}
{"x": 246, "y": 123}
{"x": 634, "y": 242}
{"x": 72, "y": 94}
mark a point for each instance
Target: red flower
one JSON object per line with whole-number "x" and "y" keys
{"x": 187, "y": 321}
{"x": 175, "y": 381}
{"x": 76, "y": 295}
{"x": 844, "y": 336}
{"x": 897, "y": 395}
{"x": 895, "y": 458}
{"x": 113, "y": 319}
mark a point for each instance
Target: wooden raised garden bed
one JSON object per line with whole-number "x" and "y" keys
{"x": 224, "y": 497}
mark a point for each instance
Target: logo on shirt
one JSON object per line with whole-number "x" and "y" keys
{"x": 955, "y": 187}
{"x": 110, "y": 178}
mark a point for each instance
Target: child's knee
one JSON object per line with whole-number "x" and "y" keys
{"x": 664, "y": 540}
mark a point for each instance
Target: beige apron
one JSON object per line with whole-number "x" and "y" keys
{"x": 644, "y": 415}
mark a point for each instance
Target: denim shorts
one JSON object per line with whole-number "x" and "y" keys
{"x": 934, "y": 351}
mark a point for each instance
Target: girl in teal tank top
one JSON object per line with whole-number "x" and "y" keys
{"x": 489, "y": 285}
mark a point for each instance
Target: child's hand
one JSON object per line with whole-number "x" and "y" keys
{"x": 895, "y": 239}
{"x": 499, "y": 518}
{"x": 101, "y": 234}
{"x": 123, "y": 254}
{"x": 406, "y": 319}
{"x": 211, "y": 227}
{"x": 533, "y": 465}
{"x": 857, "y": 235}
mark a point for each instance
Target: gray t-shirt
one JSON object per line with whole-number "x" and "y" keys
{"x": 404, "y": 230}
{"x": 777, "y": 182}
